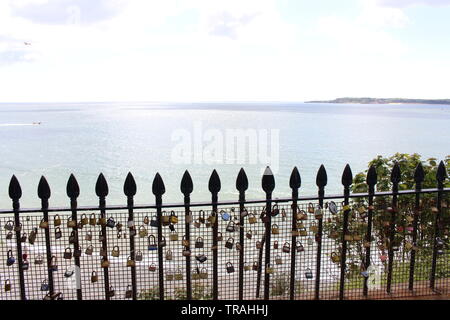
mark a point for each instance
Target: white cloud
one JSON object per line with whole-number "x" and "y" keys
{"x": 407, "y": 3}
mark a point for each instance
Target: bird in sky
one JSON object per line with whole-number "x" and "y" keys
{"x": 27, "y": 43}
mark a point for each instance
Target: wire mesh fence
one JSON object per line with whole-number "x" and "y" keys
{"x": 374, "y": 245}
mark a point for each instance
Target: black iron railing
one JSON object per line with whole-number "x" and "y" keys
{"x": 244, "y": 249}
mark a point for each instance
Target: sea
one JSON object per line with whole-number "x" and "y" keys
{"x": 57, "y": 139}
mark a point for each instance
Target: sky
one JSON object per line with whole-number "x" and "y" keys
{"x": 214, "y": 50}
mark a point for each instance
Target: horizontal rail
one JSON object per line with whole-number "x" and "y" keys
{"x": 228, "y": 203}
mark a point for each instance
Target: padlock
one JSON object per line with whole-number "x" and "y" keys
{"x": 9, "y": 236}
{"x": 111, "y": 223}
{"x": 275, "y": 244}
{"x": 310, "y": 241}
{"x": 32, "y": 236}
{"x": 105, "y": 263}
{"x": 9, "y": 225}
{"x": 53, "y": 264}
{"x": 119, "y": 234}
{"x": 115, "y": 252}
{"x": 189, "y": 218}
{"x": 146, "y": 220}
{"x": 249, "y": 234}
{"x": 89, "y": 250}
{"x": 186, "y": 252}
{"x": 318, "y": 212}
{"x": 335, "y": 257}
{"x": 69, "y": 272}
{"x": 310, "y": 208}
{"x": 251, "y": 219}
{"x": 275, "y": 210}
{"x": 278, "y": 260}
{"x": 43, "y": 224}
{"x": 332, "y": 207}
{"x": 102, "y": 221}
{"x": 44, "y": 286}
{"x": 357, "y": 237}
{"x": 154, "y": 222}
{"x": 212, "y": 218}
{"x": 264, "y": 216}
{"x": 295, "y": 233}
{"x": 24, "y": 238}
{"x": 229, "y": 244}
{"x": 72, "y": 237}
{"x": 163, "y": 242}
{"x": 173, "y": 219}
{"x": 71, "y": 223}
{"x": 299, "y": 247}
{"x": 165, "y": 219}
{"x": 286, "y": 247}
{"x": 68, "y": 253}
{"x": 151, "y": 240}
{"x": 269, "y": 269}
{"x": 247, "y": 267}
{"x": 111, "y": 292}
{"x": 203, "y": 273}
{"x": 88, "y": 236}
{"x": 383, "y": 257}
{"x": 185, "y": 242}
{"x": 173, "y": 236}
{"x": 199, "y": 243}
{"x": 169, "y": 276}
{"x": 219, "y": 236}
{"x": 39, "y": 260}
{"x": 94, "y": 277}
{"x": 84, "y": 219}
{"x": 302, "y": 232}
{"x": 7, "y": 285}
{"x": 308, "y": 274}
{"x": 169, "y": 255}
{"x": 255, "y": 266}
{"x": 230, "y": 268}
{"x": 201, "y": 217}
{"x": 275, "y": 229}
{"x": 152, "y": 267}
{"x": 225, "y": 215}
{"x": 18, "y": 228}
{"x": 195, "y": 274}
{"x": 244, "y": 213}
{"x": 301, "y": 215}
{"x": 143, "y": 232}
{"x": 129, "y": 292}
{"x": 80, "y": 225}
{"x": 313, "y": 227}
{"x": 139, "y": 256}
{"x": 231, "y": 226}
{"x": 92, "y": 219}
{"x": 258, "y": 245}
{"x": 178, "y": 276}
{"x": 10, "y": 260}
{"x": 25, "y": 265}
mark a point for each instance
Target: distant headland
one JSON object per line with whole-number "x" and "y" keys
{"x": 385, "y": 101}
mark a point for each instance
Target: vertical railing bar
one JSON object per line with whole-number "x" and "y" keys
{"x": 321, "y": 195}
{"x": 130, "y": 204}
{"x": 215, "y": 248}
{"x": 416, "y": 212}
{"x": 347, "y": 179}
{"x": 160, "y": 251}
{"x": 76, "y": 244}
{"x": 441, "y": 175}
{"x": 395, "y": 179}
{"x": 102, "y": 204}
{"x": 260, "y": 256}
{"x": 187, "y": 231}
{"x": 268, "y": 185}
{"x": 15, "y": 194}
{"x": 51, "y": 286}
{"x": 293, "y": 241}
{"x": 241, "y": 242}
{"x": 344, "y": 243}
{"x": 368, "y": 235}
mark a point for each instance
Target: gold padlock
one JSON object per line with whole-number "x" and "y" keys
{"x": 43, "y": 224}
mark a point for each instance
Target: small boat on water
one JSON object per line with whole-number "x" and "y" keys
{"x": 36, "y": 123}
